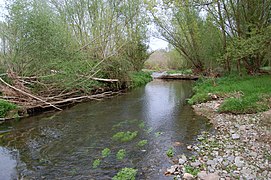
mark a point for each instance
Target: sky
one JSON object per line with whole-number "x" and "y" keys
{"x": 154, "y": 42}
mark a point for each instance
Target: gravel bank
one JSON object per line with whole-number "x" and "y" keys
{"x": 240, "y": 148}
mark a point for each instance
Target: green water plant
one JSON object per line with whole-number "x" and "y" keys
{"x": 121, "y": 154}
{"x": 96, "y": 163}
{"x": 142, "y": 143}
{"x": 106, "y": 152}
{"x": 126, "y": 174}
{"x": 125, "y": 136}
{"x": 170, "y": 152}
{"x": 141, "y": 125}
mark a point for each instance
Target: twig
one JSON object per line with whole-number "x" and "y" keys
{"x": 27, "y": 94}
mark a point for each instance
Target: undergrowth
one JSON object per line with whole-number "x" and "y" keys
{"x": 5, "y": 107}
{"x": 140, "y": 78}
{"x": 249, "y": 94}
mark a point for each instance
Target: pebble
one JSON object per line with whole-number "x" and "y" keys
{"x": 210, "y": 162}
{"x": 188, "y": 176}
{"x": 236, "y": 150}
{"x": 202, "y": 175}
{"x": 195, "y": 164}
{"x": 238, "y": 161}
{"x": 235, "y": 136}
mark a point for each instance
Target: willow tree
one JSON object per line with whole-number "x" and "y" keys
{"x": 180, "y": 23}
{"x": 245, "y": 25}
{"x": 107, "y": 28}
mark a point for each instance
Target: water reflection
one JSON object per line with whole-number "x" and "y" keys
{"x": 64, "y": 145}
{"x": 8, "y": 164}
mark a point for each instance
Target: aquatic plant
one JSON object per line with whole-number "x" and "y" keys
{"x": 170, "y": 152}
{"x": 121, "y": 154}
{"x": 142, "y": 143}
{"x": 124, "y": 136}
{"x": 141, "y": 125}
{"x": 96, "y": 163}
{"x": 106, "y": 152}
{"x": 126, "y": 174}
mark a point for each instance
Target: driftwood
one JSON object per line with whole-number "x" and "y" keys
{"x": 29, "y": 95}
{"x": 178, "y": 76}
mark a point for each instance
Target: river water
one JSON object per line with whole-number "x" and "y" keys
{"x": 64, "y": 145}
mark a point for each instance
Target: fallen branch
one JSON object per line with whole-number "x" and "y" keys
{"x": 104, "y": 80}
{"x": 30, "y": 95}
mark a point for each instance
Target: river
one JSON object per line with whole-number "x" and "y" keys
{"x": 64, "y": 145}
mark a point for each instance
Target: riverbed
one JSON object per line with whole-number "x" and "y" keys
{"x": 65, "y": 144}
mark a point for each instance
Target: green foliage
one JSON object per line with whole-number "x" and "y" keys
{"x": 121, "y": 154}
{"x": 249, "y": 94}
{"x": 106, "y": 152}
{"x": 141, "y": 125}
{"x": 5, "y": 107}
{"x": 170, "y": 152}
{"x": 142, "y": 143}
{"x": 125, "y": 136}
{"x": 96, "y": 163}
{"x": 192, "y": 170}
{"x": 140, "y": 78}
{"x": 126, "y": 174}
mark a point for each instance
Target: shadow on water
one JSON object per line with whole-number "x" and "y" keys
{"x": 64, "y": 145}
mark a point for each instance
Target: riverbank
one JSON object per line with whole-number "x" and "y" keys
{"x": 239, "y": 148}
{"x": 19, "y": 97}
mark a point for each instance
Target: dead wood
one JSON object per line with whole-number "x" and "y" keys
{"x": 28, "y": 94}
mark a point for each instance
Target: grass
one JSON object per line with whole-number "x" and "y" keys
{"x": 126, "y": 174}
{"x": 5, "y": 107}
{"x": 249, "y": 94}
{"x": 125, "y": 136}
